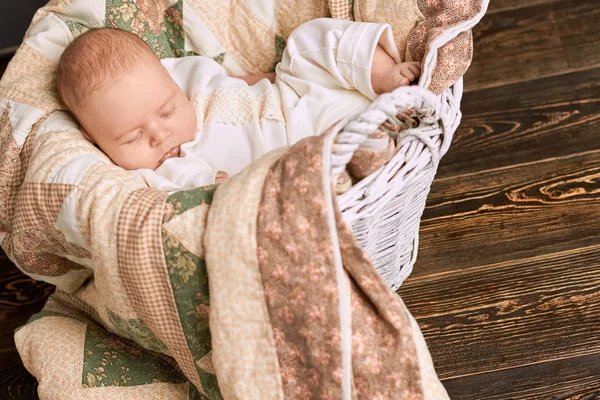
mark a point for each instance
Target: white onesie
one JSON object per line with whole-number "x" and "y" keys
{"x": 324, "y": 75}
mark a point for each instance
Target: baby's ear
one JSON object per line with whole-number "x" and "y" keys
{"x": 86, "y": 135}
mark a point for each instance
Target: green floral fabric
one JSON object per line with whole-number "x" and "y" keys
{"x": 189, "y": 281}
{"x": 161, "y": 29}
{"x": 220, "y": 58}
{"x": 110, "y": 360}
{"x": 135, "y": 328}
{"x": 280, "y": 43}
{"x": 76, "y": 28}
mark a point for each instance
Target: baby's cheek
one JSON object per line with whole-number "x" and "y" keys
{"x": 191, "y": 123}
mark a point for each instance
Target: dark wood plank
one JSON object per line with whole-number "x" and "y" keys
{"x": 530, "y": 95}
{"x": 592, "y": 396}
{"x": 527, "y": 43}
{"x": 20, "y": 297}
{"x": 19, "y": 290}
{"x": 516, "y": 134}
{"x": 505, "y": 5}
{"x": 572, "y": 378}
{"x": 559, "y": 176}
{"x": 512, "y": 213}
{"x": 516, "y": 313}
{"x": 3, "y": 65}
{"x": 15, "y": 382}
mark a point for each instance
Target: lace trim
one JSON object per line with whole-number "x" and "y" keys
{"x": 237, "y": 106}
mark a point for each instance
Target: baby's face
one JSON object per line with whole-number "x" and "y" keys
{"x": 140, "y": 120}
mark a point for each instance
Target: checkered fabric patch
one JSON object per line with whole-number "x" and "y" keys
{"x": 341, "y": 9}
{"x": 145, "y": 276}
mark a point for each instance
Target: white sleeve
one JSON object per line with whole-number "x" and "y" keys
{"x": 335, "y": 53}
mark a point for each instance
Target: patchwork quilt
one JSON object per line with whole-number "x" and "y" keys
{"x": 251, "y": 289}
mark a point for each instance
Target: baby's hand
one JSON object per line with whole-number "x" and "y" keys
{"x": 221, "y": 176}
{"x": 398, "y": 75}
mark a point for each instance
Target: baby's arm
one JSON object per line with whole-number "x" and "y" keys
{"x": 252, "y": 79}
{"x": 334, "y": 54}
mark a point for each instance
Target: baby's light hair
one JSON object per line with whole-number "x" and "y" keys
{"x": 95, "y": 59}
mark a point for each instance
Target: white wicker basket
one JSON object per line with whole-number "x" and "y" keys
{"x": 384, "y": 209}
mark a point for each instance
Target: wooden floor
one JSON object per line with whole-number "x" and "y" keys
{"x": 506, "y": 288}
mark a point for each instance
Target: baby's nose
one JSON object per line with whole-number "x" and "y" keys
{"x": 158, "y": 135}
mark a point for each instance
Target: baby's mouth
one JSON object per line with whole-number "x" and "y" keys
{"x": 174, "y": 152}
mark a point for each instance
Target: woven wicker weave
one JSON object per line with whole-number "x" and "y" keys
{"x": 385, "y": 208}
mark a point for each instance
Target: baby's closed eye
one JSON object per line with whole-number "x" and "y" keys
{"x": 169, "y": 113}
{"x": 135, "y": 139}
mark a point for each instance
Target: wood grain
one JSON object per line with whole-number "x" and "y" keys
{"x": 511, "y": 314}
{"x": 504, "y": 5}
{"x": 564, "y": 89}
{"x": 550, "y": 39}
{"x": 15, "y": 382}
{"x": 512, "y": 213}
{"x": 17, "y": 289}
{"x": 521, "y": 131}
{"x": 559, "y": 379}
{"x": 506, "y": 286}
{"x": 3, "y": 65}
{"x": 20, "y": 297}
{"x": 561, "y": 176}
{"x": 11, "y": 317}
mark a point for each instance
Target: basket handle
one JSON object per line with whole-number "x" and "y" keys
{"x": 426, "y": 105}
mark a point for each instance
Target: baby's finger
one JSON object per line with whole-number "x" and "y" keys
{"x": 408, "y": 73}
{"x": 400, "y": 80}
{"x": 416, "y": 69}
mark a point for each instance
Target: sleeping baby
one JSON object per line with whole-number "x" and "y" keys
{"x": 183, "y": 122}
